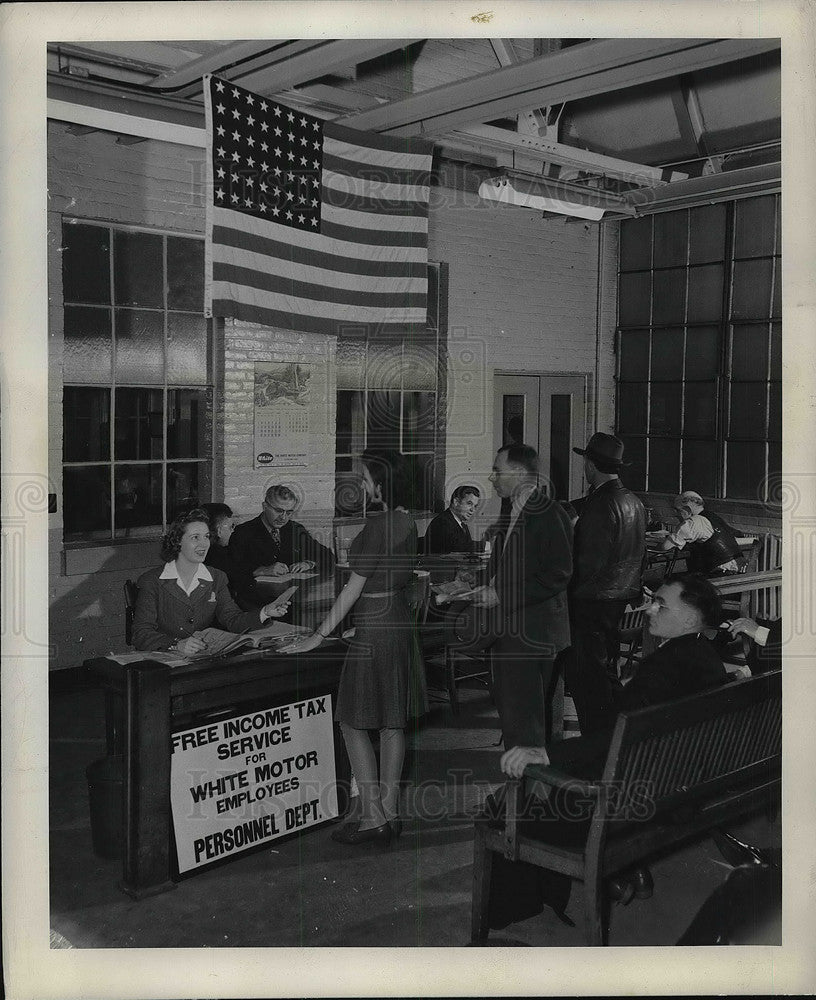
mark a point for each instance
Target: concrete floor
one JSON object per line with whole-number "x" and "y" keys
{"x": 306, "y": 890}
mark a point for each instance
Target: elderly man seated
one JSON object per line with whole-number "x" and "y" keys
{"x": 711, "y": 544}
{"x": 684, "y": 663}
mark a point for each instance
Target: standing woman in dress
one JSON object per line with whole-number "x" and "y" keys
{"x": 374, "y": 684}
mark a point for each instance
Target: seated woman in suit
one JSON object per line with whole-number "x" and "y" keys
{"x": 184, "y": 595}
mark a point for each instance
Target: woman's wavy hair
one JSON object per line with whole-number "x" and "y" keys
{"x": 396, "y": 476}
{"x": 171, "y": 542}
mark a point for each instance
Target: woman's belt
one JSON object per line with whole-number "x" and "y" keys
{"x": 381, "y": 593}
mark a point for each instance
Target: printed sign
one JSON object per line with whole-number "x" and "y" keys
{"x": 242, "y": 781}
{"x": 281, "y": 414}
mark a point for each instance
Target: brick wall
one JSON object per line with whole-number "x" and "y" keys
{"x": 523, "y": 295}
{"x": 244, "y": 486}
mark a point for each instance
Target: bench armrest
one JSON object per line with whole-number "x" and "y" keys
{"x": 551, "y": 777}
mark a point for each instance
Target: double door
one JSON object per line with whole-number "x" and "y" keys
{"x": 547, "y": 412}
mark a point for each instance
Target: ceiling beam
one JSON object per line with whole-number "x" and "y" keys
{"x": 279, "y": 66}
{"x": 746, "y": 182}
{"x": 571, "y": 156}
{"x": 217, "y": 62}
{"x": 579, "y": 71}
{"x": 533, "y": 122}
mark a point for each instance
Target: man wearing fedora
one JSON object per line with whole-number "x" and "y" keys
{"x": 608, "y": 557}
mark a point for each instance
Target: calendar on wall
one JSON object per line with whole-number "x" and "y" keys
{"x": 281, "y": 413}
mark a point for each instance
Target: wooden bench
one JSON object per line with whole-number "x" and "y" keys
{"x": 759, "y": 593}
{"x": 696, "y": 763}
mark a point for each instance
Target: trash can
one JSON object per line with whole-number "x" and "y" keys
{"x": 105, "y": 792}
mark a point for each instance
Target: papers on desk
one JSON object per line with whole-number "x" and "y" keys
{"x": 454, "y": 590}
{"x": 286, "y": 577}
{"x": 171, "y": 659}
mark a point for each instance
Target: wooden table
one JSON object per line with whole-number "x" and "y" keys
{"x": 146, "y": 701}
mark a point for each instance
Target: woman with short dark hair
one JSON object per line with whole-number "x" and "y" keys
{"x": 374, "y": 684}
{"x": 184, "y": 596}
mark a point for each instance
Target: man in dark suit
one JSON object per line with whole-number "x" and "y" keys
{"x": 272, "y": 544}
{"x": 765, "y": 651}
{"x": 530, "y": 567}
{"x": 685, "y": 663}
{"x": 449, "y": 531}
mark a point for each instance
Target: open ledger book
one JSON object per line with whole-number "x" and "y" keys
{"x": 221, "y": 643}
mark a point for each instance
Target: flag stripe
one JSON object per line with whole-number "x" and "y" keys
{"x": 354, "y": 219}
{"x": 370, "y": 147}
{"x": 337, "y": 310}
{"x": 374, "y": 237}
{"x": 388, "y": 175}
{"x": 335, "y": 241}
{"x": 341, "y": 197}
{"x": 316, "y": 242}
{"x": 398, "y": 199}
{"x": 308, "y": 270}
{"x": 318, "y": 292}
{"x": 252, "y": 313}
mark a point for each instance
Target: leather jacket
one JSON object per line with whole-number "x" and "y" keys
{"x": 706, "y": 557}
{"x": 610, "y": 545}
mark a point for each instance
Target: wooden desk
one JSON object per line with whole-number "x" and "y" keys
{"x": 146, "y": 701}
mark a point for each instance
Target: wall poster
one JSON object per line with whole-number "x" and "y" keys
{"x": 282, "y": 399}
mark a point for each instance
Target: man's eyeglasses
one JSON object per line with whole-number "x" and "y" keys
{"x": 278, "y": 510}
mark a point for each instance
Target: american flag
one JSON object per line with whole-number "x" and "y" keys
{"x": 312, "y": 226}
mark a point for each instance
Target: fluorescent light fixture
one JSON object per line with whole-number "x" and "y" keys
{"x": 537, "y": 195}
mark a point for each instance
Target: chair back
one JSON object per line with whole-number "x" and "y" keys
{"x": 768, "y": 603}
{"x": 692, "y": 748}
{"x": 419, "y": 595}
{"x": 131, "y": 593}
{"x": 632, "y": 621}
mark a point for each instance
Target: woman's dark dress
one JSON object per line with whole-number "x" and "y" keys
{"x": 373, "y": 692}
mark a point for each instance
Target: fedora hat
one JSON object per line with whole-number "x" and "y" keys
{"x": 604, "y": 448}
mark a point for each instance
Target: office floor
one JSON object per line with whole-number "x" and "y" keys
{"x": 306, "y": 890}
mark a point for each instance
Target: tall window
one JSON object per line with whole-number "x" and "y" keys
{"x": 137, "y": 396}
{"x": 388, "y": 398}
{"x": 699, "y": 351}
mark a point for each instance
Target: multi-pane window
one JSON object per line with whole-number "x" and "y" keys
{"x": 387, "y": 398}
{"x": 137, "y": 396}
{"x": 699, "y": 352}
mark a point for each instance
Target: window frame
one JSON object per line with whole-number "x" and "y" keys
{"x": 139, "y": 534}
{"x": 437, "y": 326}
{"x": 722, "y": 379}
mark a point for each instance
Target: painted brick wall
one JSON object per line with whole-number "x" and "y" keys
{"x": 523, "y": 296}
{"x": 244, "y": 486}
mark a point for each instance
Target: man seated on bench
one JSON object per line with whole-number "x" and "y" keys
{"x": 765, "y": 651}
{"x": 684, "y": 663}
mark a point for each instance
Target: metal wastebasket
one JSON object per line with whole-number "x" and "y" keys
{"x": 105, "y": 794}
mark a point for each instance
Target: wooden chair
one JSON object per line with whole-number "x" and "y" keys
{"x": 630, "y": 635}
{"x": 131, "y": 593}
{"x": 672, "y": 771}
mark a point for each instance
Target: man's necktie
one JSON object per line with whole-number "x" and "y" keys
{"x": 276, "y": 540}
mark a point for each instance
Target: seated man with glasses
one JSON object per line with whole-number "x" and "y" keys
{"x": 273, "y": 545}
